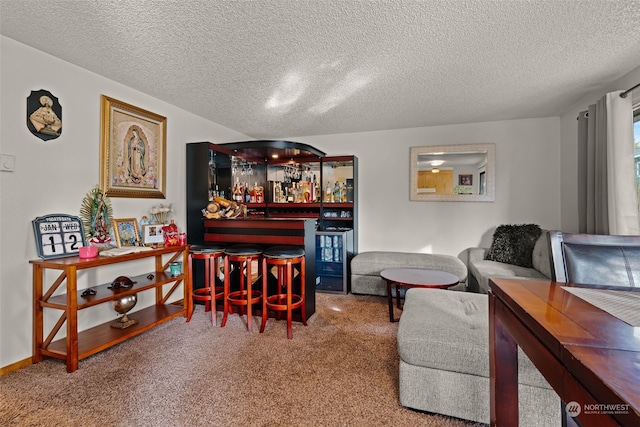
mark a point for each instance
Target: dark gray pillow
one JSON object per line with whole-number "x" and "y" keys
{"x": 513, "y": 244}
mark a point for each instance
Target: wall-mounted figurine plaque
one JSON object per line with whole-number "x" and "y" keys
{"x": 44, "y": 115}
{"x": 58, "y": 235}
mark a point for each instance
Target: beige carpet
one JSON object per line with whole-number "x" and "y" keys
{"x": 340, "y": 370}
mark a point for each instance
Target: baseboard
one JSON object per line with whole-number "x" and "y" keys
{"x": 15, "y": 366}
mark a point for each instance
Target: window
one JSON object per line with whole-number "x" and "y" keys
{"x": 636, "y": 150}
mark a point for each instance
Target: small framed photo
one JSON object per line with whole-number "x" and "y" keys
{"x": 126, "y": 232}
{"x": 152, "y": 234}
{"x": 465, "y": 179}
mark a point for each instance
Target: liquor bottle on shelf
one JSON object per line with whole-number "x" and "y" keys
{"x": 237, "y": 191}
{"x": 336, "y": 196}
{"x": 252, "y": 193}
{"x": 316, "y": 189}
{"x": 290, "y": 195}
{"x": 350, "y": 190}
{"x": 277, "y": 192}
{"x": 247, "y": 196}
{"x": 259, "y": 193}
{"x": 297, "y": 192}
{"x": 306, "y": 192}
{"x": 343, "y": 191}
{"x": 327, "y": 193}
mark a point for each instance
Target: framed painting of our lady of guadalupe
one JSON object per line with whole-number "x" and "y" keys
{"x": 133, "y": 144}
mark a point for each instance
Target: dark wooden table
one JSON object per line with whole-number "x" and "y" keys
{"x": 589, "y": 357}
{"x": 415, "y": 278}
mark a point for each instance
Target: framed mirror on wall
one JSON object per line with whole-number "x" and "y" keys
{"x": 453, "y": 173}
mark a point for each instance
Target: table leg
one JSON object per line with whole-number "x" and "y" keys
{"x": 390, "y": 301}
{"x": 503, "y": 370}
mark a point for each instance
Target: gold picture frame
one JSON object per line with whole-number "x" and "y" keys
{"x": 133, "y": 150}
{"x": 126, "y": 232}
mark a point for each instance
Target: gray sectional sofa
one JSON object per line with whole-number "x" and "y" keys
{"x": 443, "y": 343}
{"x": 481, "y": 269}
{"x": 366, "y": 268}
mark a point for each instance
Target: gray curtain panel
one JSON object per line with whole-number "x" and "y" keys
{"x": 593, "y": 214}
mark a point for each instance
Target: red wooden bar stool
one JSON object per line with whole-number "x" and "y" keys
{"x": 284, "y": 258}
{"x": 211, "y": 291}
{"x": 239, "y": 259}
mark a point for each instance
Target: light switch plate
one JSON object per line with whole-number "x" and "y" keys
{"x": 7, "y": 162}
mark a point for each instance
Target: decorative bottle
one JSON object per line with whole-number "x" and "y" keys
{"x": 336, "y": 193}
{"x": 277, "y": 193}
{"x": 237, "y": 191}
{"x": 143, "y": 221}
{"x": 259, "y": 193}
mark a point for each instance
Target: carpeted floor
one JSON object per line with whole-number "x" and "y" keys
{"x": 340, "y": 370}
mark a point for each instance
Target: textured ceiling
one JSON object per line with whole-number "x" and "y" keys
{"x": 284, "y": 68}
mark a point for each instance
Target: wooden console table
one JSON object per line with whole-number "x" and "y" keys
{"x": 589, "y": 357}
{"x": 79, "y": 345}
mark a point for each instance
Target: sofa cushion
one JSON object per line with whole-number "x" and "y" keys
{"x": 483, "y": 270}
{"x": 447, "y": 330}
{"x": 372, "y": 263}
{"x": 513, "y": 244}
{"x": 541, "y": 257}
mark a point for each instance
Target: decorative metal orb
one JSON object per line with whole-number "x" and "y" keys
{"x": 124, "y": 304}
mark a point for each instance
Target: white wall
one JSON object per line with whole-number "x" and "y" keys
{"x": 527, "y": 184}
{"x": 569, "y": 146}
{"x": 54, "y": 176}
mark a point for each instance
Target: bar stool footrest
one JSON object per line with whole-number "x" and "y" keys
{"x": 279, "y": 302}
{"x": 241, "y": 297}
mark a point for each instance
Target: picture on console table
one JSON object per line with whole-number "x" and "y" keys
{"x": 152, "y": 234}
{"x": 126, "y": 232}
{"x": 133, "y": 145}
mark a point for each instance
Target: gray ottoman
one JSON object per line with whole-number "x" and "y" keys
{"x": 443, "y": 343}
{"x": 366, "y": 268}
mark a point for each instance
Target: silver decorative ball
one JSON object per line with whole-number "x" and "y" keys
{"x": 126, "y": 303}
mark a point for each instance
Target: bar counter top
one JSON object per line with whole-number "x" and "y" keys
{"x": 266, "y": 232}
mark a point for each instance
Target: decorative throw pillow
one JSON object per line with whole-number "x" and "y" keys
{"x": 513, "y": 244}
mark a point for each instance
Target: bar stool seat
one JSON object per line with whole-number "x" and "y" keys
{"x": 241, "y": 257}
{"x": 284, "y": 258}
{"x": 212, "y": 291}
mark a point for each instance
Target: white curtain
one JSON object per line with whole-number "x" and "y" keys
{"x": 623, "y": 202}
{"x": 606, "y": 177}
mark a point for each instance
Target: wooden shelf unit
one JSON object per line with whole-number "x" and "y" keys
{"x": 79, "y": 345}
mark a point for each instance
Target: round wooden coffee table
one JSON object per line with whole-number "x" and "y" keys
{"x": 415, "y": 278}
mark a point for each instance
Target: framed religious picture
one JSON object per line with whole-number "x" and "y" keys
{"x": 133, "y": 151}
{"x": 126, "y": 232}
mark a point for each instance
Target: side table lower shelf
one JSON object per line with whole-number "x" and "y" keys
{"x": 101, "y": 337}
{"x": 69, "y": 300}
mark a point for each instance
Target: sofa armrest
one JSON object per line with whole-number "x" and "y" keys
{"x": 477, "y": 254}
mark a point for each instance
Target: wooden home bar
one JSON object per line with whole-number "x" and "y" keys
{"x": 270, "y": 232}
{"x": 307, "y": 199}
